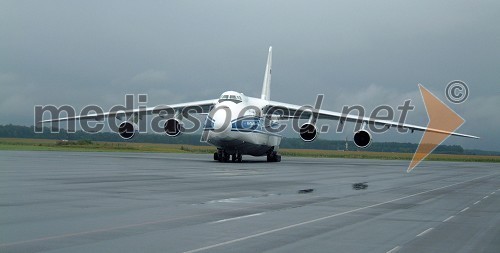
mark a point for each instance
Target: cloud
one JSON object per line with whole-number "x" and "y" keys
{"x": 150, "y": 77}
{"x": 355, "y": 53}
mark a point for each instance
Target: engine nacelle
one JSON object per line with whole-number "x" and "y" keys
{"x": 362, "y": 138}
{"x": 127, "y": 130}
{"x": 308, "y": 132}
{"x": 173, "y": 127}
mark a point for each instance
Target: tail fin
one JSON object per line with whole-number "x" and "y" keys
{"x": 266, "y": 86}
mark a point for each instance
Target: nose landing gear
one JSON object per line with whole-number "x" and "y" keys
{"x": 224, "y": 157}
{"x": 236, "y": 158}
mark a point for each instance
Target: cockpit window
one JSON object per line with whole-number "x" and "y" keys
{"x": 233, "y": 98}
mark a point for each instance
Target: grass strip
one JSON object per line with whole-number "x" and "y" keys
{"x": 98, "y": 146}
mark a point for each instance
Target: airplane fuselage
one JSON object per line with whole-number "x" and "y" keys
{"x": 236, "y": 125}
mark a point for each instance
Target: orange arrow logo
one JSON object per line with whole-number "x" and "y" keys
{"x": 441, "y": 117}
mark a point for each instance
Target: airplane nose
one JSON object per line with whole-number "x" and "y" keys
{"x": 222, "y": 120}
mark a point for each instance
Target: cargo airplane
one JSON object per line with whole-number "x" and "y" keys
{"x": 238, "y": 125}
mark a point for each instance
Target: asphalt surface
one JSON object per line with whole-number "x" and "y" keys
{"x": 118, "y": 202}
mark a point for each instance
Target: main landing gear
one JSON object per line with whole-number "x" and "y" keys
{"x": 273, "y": 157}
{"x": 224, "y": 157}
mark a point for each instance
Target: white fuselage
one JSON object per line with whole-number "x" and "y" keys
{"x": 236, "y": 124}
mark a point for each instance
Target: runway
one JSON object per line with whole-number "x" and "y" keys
{"x": 141, "y": 202}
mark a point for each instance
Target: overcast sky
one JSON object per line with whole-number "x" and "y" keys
{"x": 354, "y": 52}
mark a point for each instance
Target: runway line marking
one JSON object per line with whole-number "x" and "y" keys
{"x": 477, "y": 202}
{"x": 394, "y": 249}
{"x": 237, "y": 218}
{"x": 326, "y": 217}
{"x": 449, "y": 218}
{"x": 465, "y": 209}
{"x": 485, "y": 197}
{"x": 425, "y": 232}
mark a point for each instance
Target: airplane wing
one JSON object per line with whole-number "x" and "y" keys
{"x": 300, "y": 112}
{"x": 201, "y": 107}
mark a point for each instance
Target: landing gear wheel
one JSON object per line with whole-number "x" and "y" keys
{"x": 236, "y": 158}
{"x": 269, "y": 158}
{"x": 273, "y": 157}
{"x": 222, "y": 156}
{"x": 277, "y": 158}
{"x": 226, "y": 157}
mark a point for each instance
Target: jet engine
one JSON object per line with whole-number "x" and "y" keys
{"x": 362, "y": 138}
{"x": 173, "y": 127}
{"x": 127, "y": 130}
{"x": 308, "y": 132}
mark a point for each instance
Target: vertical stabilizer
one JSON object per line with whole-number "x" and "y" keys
{"x": 266, "y": 86}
